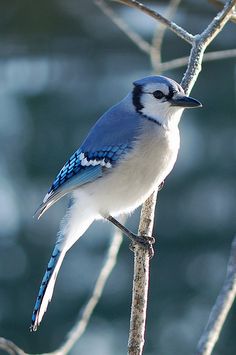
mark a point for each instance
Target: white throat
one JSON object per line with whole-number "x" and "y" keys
{"x": 168, "y": 119}
{"x": 164, "y": 114}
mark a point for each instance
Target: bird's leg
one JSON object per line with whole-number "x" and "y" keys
{"x": 144, "y": 241}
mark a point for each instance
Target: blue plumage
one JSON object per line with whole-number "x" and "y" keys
{"x": 51, "y": 268}
{"x": 74, "y": 166}
{"x": 71, "y": 168}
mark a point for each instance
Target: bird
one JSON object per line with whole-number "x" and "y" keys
{"x": 126, "y": 155}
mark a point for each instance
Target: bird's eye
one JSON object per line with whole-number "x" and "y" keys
{"x": 158, "y": 94}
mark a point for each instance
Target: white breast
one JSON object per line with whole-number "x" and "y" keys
{"x": 136, "y": 177}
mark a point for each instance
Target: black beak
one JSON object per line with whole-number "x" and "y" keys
{"x": 184, "y": 101}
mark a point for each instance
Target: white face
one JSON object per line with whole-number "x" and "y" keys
{"x": 154, "y": 101}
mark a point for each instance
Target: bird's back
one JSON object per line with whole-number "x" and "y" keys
{"x": 119, "y": 125}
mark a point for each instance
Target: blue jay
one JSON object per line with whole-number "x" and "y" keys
{"x": 127, "y": 154}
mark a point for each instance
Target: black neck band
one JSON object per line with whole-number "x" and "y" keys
{"x": 153, "y": 120}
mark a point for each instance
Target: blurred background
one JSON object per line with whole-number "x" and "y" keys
{"x": 62, "y": 64}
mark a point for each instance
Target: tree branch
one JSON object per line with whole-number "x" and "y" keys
{"x": 155, "y": 51}
{"x": 201, "y": 42}
{"x": 141, "y": 280}
{"x": 208, "y": 57}
{"x": 221, "y": 308}
{"x": 218, "y": 22}
{"x": 179, "y": 31}
{"x": 124, "y": 27}
{"x": 10, "y": 347}
{"x": 220, "y": 4}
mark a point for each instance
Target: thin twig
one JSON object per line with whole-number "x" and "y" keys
{"x": 155, "y": 53}
{"x": 218, "y": 22}
{"x": 10, "y": 348}
{"x": 201, "y": 42}
{"x": 220, "y": 4}
{"x": 141, "y": 280}
{"x": 124, "y": 27}
{"x": 179, "y": 31}
{"x": 221, "y": 308}
{"x": 208, "y": 57}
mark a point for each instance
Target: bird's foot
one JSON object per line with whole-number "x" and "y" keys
{"x": 145, "y": 242}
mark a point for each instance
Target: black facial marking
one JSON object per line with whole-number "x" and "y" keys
{"x": 171, "y": 93}
{"x": 137, "y": 92}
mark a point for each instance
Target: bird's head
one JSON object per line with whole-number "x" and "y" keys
{"x": 161, "y": 99}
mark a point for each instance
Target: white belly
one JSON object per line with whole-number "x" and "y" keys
{"x": 138, "y": 175}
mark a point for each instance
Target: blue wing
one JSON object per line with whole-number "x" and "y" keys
{"x": 80, "y": 169}
{"x": 111, "y": 137}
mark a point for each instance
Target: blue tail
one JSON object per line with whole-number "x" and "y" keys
{"x": 46, "y": 288}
